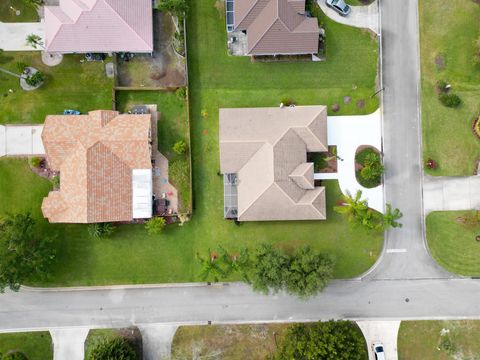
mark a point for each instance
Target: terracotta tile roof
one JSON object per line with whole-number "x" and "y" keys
{"x": 267, "y": 149}
{"x": 276, "y": 27}
{"x": 95, "y": 154}
{"x": 82, "y": 26}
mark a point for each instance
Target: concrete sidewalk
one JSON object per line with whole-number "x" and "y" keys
{"x": 366, "y": 17}
{"x": 21, "y": 140}
{"x": 13, "y": 35}
{"x": 441, "y": 193}
{"x": 157, "y": 341}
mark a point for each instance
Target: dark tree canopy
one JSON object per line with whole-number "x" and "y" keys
{"x": 331, "y": 340}
{"x": 113, "y": 349}
{"x": 22, "y": 254}
{"x": 268, "y": 270}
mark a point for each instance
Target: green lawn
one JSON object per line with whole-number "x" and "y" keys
{"x": 423, "y": 340}
{"x": 172, "y": 127}
{"x": 448, "y": 32}
{"x": 359, "y": 2}
{"x": 233, "y": 342}
{"x": 36, "y": 345}
{"x": 28, "y": 13}
{"x": 216, "y": 80}
{"x": 452, "y": 243}
{"x": 70, "y": 85}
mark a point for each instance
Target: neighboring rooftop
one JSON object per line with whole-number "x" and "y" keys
{"x": 263, "y": 155}
{"x": 104, "y": 160}
{"x": 81, "y": 26}
{"x": 276, "y": 27}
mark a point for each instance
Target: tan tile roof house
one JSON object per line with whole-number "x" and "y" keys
{"x": 263, "y": 156}
{"x": 104, "y": 160}
{"x": 276, "y": 27}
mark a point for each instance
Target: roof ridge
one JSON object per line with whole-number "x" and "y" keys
{"x": 249, "y": 11}
{"x": 116, "y": 12}
{"x": 267, "y": 28}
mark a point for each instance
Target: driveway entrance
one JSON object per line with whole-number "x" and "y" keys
{"x": 13, "y": 35}
{"x": 21, "y": 140}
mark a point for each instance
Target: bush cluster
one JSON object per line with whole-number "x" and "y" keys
{"x": 447, "y": 98}
{"x": 370, "y": 175}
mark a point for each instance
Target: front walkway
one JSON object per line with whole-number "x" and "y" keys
{"x": 13, "y": 35}
{"x": 157, "y": 341}
{"x": 385, "y": 332}
{"x": 348, "y": 133}
{"x": 441, "y": 193}
{"x": 68, "y": 344}
{"x": 366, "y": 17}
{"x": 21, "y": 140}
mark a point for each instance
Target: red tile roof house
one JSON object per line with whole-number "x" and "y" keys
{"x": 273, "y": 27}
{"x": 104, "y": 26}
{"x": 104, "y": 160}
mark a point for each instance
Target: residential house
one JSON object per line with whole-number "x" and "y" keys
{"x": 271, "y": 27}
{"x": 99, "y": 26}
{"x": 104, "y": 160}
{"x": 263, "y": 157}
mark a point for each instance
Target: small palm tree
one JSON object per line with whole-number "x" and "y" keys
{"x": 210, "y": 267}
{"x": 390, "y": 218}
{"x": 34, "y": 41}
{"x": 353, "y": 207}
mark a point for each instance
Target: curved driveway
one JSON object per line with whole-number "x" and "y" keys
{"x": 404, "y": 285}
{"x": 365, "y": 17}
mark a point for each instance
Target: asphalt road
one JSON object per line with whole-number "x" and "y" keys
{"x": 405, "y": 284}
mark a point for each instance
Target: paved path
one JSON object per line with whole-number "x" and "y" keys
{"x": 348, "y": 133}
{"x": 361, "y": 16}
{"x": 13, "y": 35}
{"x": 406, "y": 255}
{"x": 385, "y": 332}
{"x": 68, "y": 344}
{"x": 451, "y": 193}
{"x": 157, "y": 341}
{"x": 21, "y": 140}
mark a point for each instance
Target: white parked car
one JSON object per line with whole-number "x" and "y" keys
{"x": 378, "y": 351}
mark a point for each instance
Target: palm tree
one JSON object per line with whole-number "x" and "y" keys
{"x": 210, "y": 267}
{"x": 34, "y": 3}
{"x": 353, "y": 207}
{"x": 34, "y": 41}
{"x": 236, "y": 262}
{"x": 390, "y": 218}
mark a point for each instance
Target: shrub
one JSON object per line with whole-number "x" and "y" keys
{"x": 180, "y": 147}
{"x": 288, "y": 102}
{"x": 55, "y": 181}
{"x": 21, "y": 66}
{"x": 441, "y": 86}
{"x": 450, "y": 100}
{"x": 155, "y": 225}
{"x": 181, "y": 93}
{"x": 371, "y": 173}
{"x": 100, "y": 231}
{"x": 15, "y": 355}
{"x": 448, "y": 346}
{"x": 476, "y": 127}
{"x": 176, "y": 7}
{"x": 431, "y": 164}
{"x": 109, "y": 349}
{"x": 35, "y": 79}
{"x": 35, "y": 161}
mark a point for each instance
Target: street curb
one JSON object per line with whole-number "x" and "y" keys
{"x": 124, "y": 287}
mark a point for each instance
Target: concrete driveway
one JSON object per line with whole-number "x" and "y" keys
{"x": 13, "y": 35}
{"x": 68, "y": 344}
{"x": 366, "y": 17}
{"x": 157, "y": 341}
{"x": 21, "y": 140}
{"x": 451, "y": 193}
{"x": 348, "y": 133}
{"x": 385, "y": 332}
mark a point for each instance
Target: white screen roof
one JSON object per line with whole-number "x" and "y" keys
{"x": 142, "y": 193}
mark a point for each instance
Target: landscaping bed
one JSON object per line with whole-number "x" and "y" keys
{"x": 368, "y": 167}
{"x": 34, "y": 345}
{"x": 439, "y": 340}
{"x": 448, "y": 44}
{"x": 451, "y": 237}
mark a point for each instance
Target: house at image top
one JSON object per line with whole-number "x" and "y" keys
{"x": 104, "y": 160}
{"x": 274, "y": 27}
{"x": 105, "y": 26}
{"x": 263, "y": 157}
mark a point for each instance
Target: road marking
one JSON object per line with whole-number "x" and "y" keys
{"x": 390, "y": 251}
